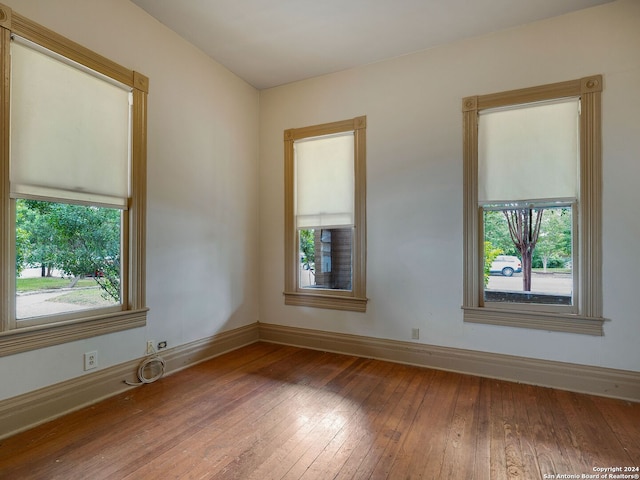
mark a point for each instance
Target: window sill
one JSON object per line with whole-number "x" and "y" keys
{"x": 32, "y": 338}
{"x": 317, "y": 300}
{"x": 556, "y": 322}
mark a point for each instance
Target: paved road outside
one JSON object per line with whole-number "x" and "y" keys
{"x": 37, "y": 304}
{"x": 551, "y": 283}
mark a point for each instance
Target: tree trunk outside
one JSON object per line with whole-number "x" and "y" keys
{"x": 527, "y": 256}
{"x": 524, "y": 229}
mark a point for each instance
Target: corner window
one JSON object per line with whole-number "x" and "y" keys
{"x": 532, "y": 207}
{"x": 72, "y": 207}
{"x": 325, "y": 237}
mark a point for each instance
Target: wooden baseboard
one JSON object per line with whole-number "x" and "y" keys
{"x": 605, "y": 382}
{"x": 30, "y": 409}
{"x": 185, "y": 356}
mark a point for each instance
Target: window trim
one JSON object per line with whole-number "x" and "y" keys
{"x": 588, "y": 319}
{"x": 354, "y": 300}
{"x": 98, "y": 322}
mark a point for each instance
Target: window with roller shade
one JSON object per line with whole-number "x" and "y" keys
{"x": 69, "y": 175}
{"x": 325, "y": 215}
{"x": 527, "y": 190}
{"x": 532, "y": 165}
{"x": 73, "y": 183}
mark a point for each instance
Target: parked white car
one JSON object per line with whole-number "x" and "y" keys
{"x": 506, "y": 265}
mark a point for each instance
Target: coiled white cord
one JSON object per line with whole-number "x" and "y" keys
{"x": 149, "y": 363}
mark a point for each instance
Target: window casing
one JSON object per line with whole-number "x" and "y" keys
{"x": 325, "y": 215}
{"x": 585, "y": 314}
{"x": 18, "y": 334}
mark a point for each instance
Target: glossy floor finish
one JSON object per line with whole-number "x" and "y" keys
{"x": 268, "y": 411}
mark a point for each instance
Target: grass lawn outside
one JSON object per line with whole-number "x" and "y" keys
{"x": 49, "y": 283}
{"x": 85, "y": 292}
{"x": 551, "y": 270}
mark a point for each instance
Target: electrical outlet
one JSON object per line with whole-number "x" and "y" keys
{"x": 150, "y": 348}
{"x": 91, "y": 360}
{"x": 415, "y": 333}
{"x": 162, "y": 345}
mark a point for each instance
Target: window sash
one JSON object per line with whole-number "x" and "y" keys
{"x": 324, "y": 181}
{"x": 539, "y": 307}
{"x": 324, "y": 261}
{"x": 70, "y": 131}
{"x": 528, "y": 152}
{"x": 97, "y": 259}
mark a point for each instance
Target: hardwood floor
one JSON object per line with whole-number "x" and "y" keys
{"x": 268, "y": 411}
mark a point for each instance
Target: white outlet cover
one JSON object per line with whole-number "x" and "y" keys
{"x": 91, "y": 360}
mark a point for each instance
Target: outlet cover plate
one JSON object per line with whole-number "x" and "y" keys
{"x": 91, "y": 360}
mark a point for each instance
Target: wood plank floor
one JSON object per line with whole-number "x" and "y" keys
{"x": 275, "y": 412}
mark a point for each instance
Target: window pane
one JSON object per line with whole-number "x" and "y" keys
{"x": 511, "y": 275}
{"x": 325, "y": 258}
{"x": 67, "y": 258}
{"x": 69, "y": 131}
{"x": 529, "y": 152}
{"x": 324, "y": 181}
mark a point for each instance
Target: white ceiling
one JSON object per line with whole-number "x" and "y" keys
{"x": 273, "y": 42}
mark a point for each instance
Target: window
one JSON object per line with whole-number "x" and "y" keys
{"x": 72, "y": 201}
{"x": 325, "y": 231}
{"x": 532, "y": 207}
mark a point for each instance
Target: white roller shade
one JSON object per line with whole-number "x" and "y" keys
{"x": 529, "y": 152}
{"x": 324, "y": 170}
{"x": 70, "y": 131}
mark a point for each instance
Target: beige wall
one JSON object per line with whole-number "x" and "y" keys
{"x": 202, "y": 189}
{"x": 414, "y": 184}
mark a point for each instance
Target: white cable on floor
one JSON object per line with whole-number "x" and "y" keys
{"x": 155, "y": 359}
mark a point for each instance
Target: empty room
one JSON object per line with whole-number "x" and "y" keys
{"x": 319, "y": 239}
